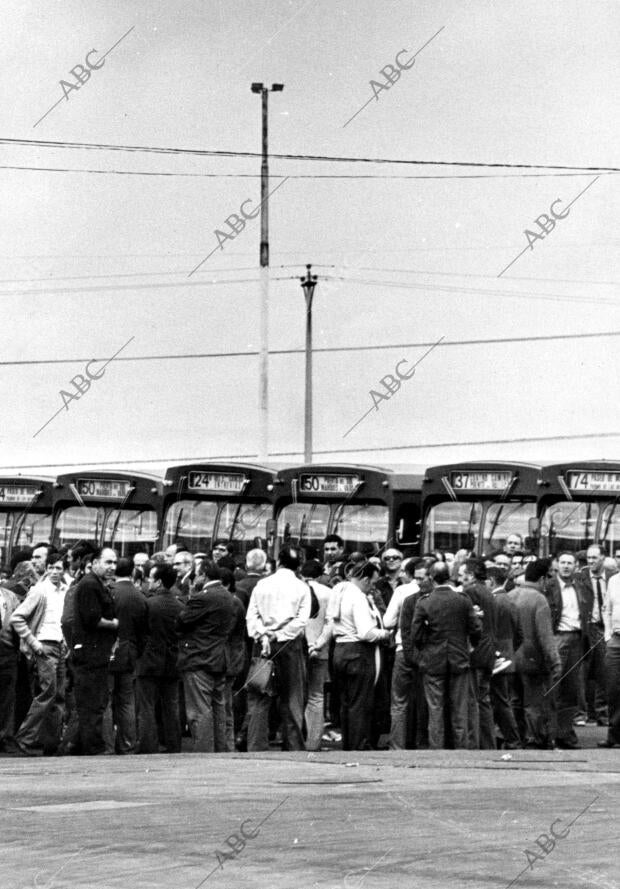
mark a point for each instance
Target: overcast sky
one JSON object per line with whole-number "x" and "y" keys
{"x": 92, "y": 262}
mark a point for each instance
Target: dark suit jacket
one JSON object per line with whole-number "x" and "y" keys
{"x": 238, "y": 640}
{"x": 584, "y": 600}
{"x": 507, "y": 632}
{"x": 410, "y": 652}
{"x": 483, "y": 657}
{"x": 244, "y": 587}
{"x": 92, "y": 601}
{"x": 586, "y": 580}
{"x": 443, "y": 623}
{"x": 130, "y": 609}
{"x": 161, "y": 650}
{"x": 204, "y": 626}
{"x": 538, "y": 650}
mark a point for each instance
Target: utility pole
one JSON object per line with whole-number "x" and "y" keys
{"x": 263, "y": 372}
{"x": 308, "y": 285}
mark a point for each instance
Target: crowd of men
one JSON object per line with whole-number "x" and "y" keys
{"x": 108, "y": 655}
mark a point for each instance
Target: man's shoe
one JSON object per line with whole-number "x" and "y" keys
{"x": 603, "y": 722}
{"x": 501, "y": 664}
{"x": 567, "y": 745}
{"x": 607, "y": 744}
{"x": 22, "y": 750}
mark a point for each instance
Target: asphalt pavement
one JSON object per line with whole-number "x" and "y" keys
{"x": 330, "y": 820}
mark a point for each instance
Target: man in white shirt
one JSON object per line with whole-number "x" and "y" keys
{"x": 278, "y": 611}
{"x": 37, "y": 622}
{"x": 403, "y": 675}
{"x": 595, "y": 579}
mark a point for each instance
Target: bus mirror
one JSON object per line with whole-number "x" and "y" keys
{"x": 270, "y": 528}
{"x": 533, "y": 527}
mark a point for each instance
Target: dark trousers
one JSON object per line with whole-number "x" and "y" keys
{"x": 354, "y": 667}
{"x": 119, "y": 728}
{"x": 570, "y": 649}
{"x": 451, "y": 689}
{"x": 290, "y": 682}
{"x": 502, "y": 710}
{"x": 538, "y": 707}
{"x": 151, "y": 690}
{"x": 206, "y": 710}
{"x": 8, "y": 685}
{"x": 481, "y": 731}
{"x": 91, "y": 698}
{"x": 43, "y": 723}
{"x": 408, "y": 707}
{"x": 595, "y": 669}
{"x": 612, "y": 664}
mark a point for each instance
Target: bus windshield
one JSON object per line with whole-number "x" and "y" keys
{"x": 243, "y": 523}
{"x": 129, "y": 530}
{"x": 303, "y": 524}
{"x": 363, "y": 527}
{"x": 6, "y": 524}
{"x": 193, "y": 521}
{"x": 610, "y": 527}
{"x": 569, "y": 525}
{"x": 452, "y": 526}
{"x": 503, "y": 519}
{"x": 78, "y": 523}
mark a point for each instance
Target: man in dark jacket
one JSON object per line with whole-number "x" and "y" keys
{"x": 481, "y": 722}
{"x": 507, "y": 638}
{"x": 158, "y": 676}
{"x": 536, "y": 660}
{"x": 204, "y": 626}
{"x": 255, "y": 562}
{"x": 130, "y": 609}
{"x": 443, "y": 624}
{"x": 595, "y": 579}
{"x": 94, "y": 631}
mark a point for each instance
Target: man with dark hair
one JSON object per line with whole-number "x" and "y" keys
{"x": 277, "y": 615}
{"x": 571, "y": 607}
{"x": 130, "y": 609}
{"x": 157, "y": 673}
{"x": 40, "y": 553}
{"x": 9, "y": 651}
{"x": 507, "y": 639}
{"x": 37, "y": 622}
{"x": 536, "y": 659}
{"x": 405, "y": 675}
{"x": 318, "y": 655}
{"x": 481, "y": 722}
{"x": 94, "y": 632}
{"x": 334, "y": 558}
{"x": 444, "y": 624}
{"x": 204, "y": 626}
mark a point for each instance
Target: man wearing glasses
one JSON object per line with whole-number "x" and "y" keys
{"x": 391, "y": 562}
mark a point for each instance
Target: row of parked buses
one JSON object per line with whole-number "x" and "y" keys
{"x": 473, "y": 505}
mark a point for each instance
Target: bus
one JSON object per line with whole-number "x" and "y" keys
{"x": 108, "y": 508}
{"x": 370, "y": 507}
{"x": 477, "y": 505}
{"x": 25, "y": 512}
{"x": 203, "y": 502}
{"x": 580, "y": 506}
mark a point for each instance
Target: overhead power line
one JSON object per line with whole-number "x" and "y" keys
{"x": 378, "y": 449}
{"x": 197, "y": 152}
{"x": 344, "y": 176}
{"x": 374, "y": 348}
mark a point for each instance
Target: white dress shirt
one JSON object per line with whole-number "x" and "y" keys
{"x": 279, "y": 603}
{"x": 570, "y": 619}
{"x": 611, "y": 611}
{"x": 391, "y": 618}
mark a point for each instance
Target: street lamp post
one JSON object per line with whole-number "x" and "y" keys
{"x": 308, "y": 284}
{"x": 263, "y": 384}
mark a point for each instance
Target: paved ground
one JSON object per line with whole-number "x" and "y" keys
{"x": 329, "y": 820}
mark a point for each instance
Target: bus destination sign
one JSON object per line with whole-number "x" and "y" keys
{"x": 328, "y": 484}
{"x": 103, "y": 488}
{"x": 593, "y": 482}
{"x": 17, "y": 493}
{"x": 217, "y": 482}
{"x": 480, "y": 481}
